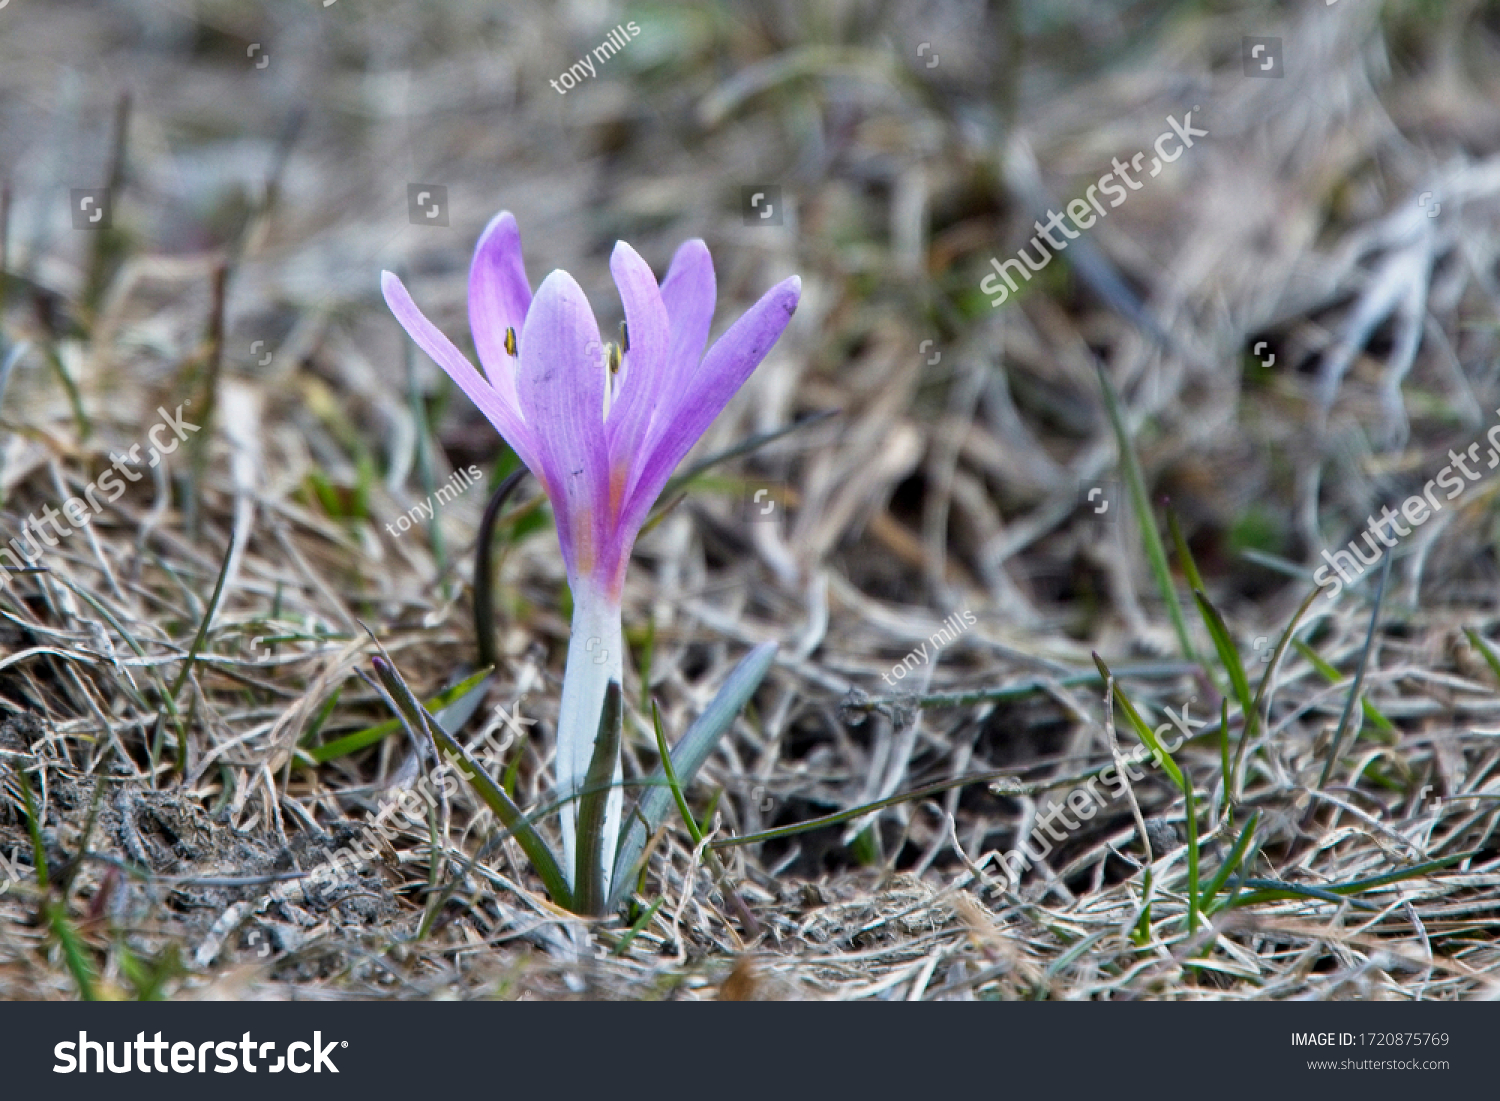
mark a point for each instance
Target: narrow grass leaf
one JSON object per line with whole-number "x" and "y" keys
{"x": 353, "y": 743}
{"x": 1231, "y": 863}
{"x": 1145, "y": 732}
{"x": 677, "y": 793}
{"x": 1156, "y": 553}
{"x": 1272, "y": 890}
{"x": 1333, "y": 676}
{"x": 73, "y": 950}
{"x": 1484, "y": 650}
{"x": 34, "y": 827}
{"x": 543, "y": 862}
{"x": 588, "y": 876}
{"x": 640, "y": 923}
{"x": 686, "y": 758}
{"x": 1229, "y": 657}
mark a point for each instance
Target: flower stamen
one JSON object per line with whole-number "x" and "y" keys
{"x": 510, "y": 341}
{"x": 611, "y": 363}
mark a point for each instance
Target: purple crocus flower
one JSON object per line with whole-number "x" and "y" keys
{"x": 600, "y": 426}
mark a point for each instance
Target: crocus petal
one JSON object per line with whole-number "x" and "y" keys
{"x": 504, "y": 414}
{"x": 643, "y": 389}
{"x": 499, "y": 296}
{"x": 562, "y": 394}
{"x": 688, "y": 291}
{"x": 723, "y": 371}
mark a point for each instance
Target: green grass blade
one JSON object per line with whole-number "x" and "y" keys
{"x": 1192, "y": 856}
{"x": 588, "y": 877}
{"x": 321, "y": 718}
{"x": 677, "y": 793}
{"x": 1333, "y": 676}
{"x": 1229, "y": 657}
{"x": 513, "y": 770}
{"x": 1156, "y": 553}
{"x": 1141, "y": 934}
{"x": 1274, "y": 890}
{"x": 1184, "y": 556}
{"x": 686, "y": 758}
{"x": 1484, "y": 649}
{"x": 1226, "y": 767}
{"x": 353, "y": 743}
{"x": 34, "y": 827}
{"x": 73, "y": 950}
{"x": 839, "y": 817}
{"x": 713, "y": 805}
{"x": 1194, "y": 578}
{"x": 543, "y": 862}
{"x": 1147, "y": 735}
{"x": 640, "y": 923}
{"x": 1185, "y": 785}
{"x": 1231, "y": 863}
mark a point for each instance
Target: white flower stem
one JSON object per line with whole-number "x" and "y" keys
{"x": 595, "y": 657}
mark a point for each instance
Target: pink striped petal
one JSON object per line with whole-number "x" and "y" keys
{"x": 561, "y": 386}
{"x": 504, "y": 414}
{"x": 723, "y": 371}
{"x": 499, "y": 296}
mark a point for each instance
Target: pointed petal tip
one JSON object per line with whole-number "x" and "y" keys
{"x": 559, "y": 281}
{"x": 625, "y": 252}
{"x": 504, "y": 221}
{"x": 395, "y": 293}
{"x": 789, "y": 291}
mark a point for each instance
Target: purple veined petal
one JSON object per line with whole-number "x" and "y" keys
{"x": 499, "y": 296}
{"x": 561, "y": 387}
{"x": 689, "y": 292}
{"x": 719, "y": 377}
{"x": 644, "y": 386}
{"x": 504, "y": 414}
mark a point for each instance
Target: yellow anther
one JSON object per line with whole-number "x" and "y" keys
{"x": 614, "y": 358}
{"x": 510, "y": 341}
{"x": 624, "y": 338}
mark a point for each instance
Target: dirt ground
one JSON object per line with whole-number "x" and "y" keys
{"x": 1298, "y": 313}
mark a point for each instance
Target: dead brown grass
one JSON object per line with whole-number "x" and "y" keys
{"x": 943, "y": 486}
